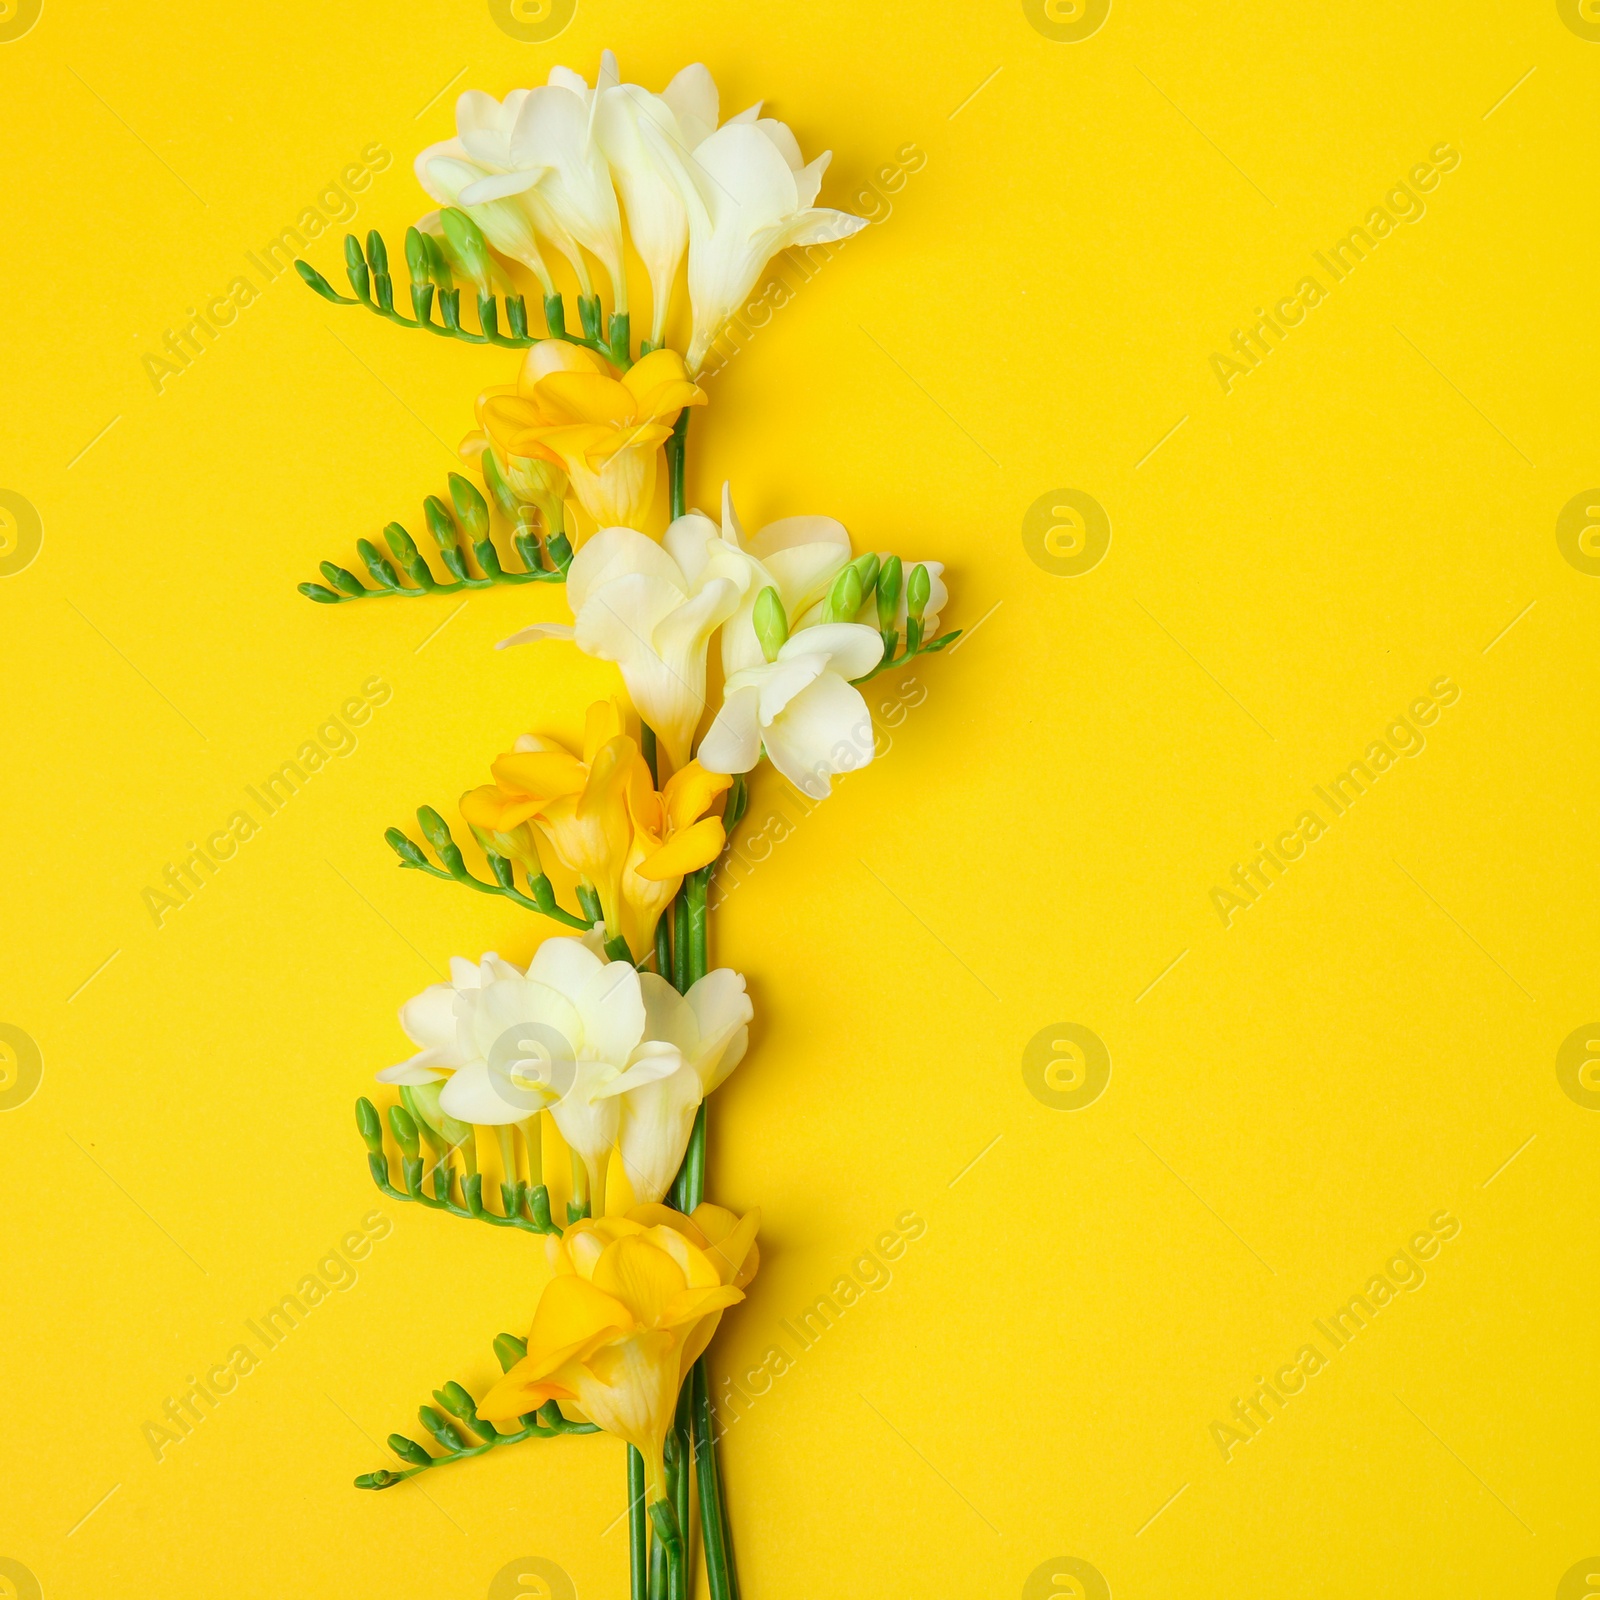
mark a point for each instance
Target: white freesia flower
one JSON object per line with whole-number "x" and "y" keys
{"x": 802, "y": 706}
{"x": 439, "y": 1022}
{"x": 652, "y": 609}
{"x": 710, "y": 1027}
{"x": 648, "y": 140}
{"x": 537, "y": 147}
{"x": 484, "y": 147}
{"x": 749, "y": 195}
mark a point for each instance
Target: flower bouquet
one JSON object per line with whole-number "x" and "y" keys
{"x": 596, "y": 1062}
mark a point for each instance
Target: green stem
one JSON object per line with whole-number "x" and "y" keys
{"x": 675, "y": 456}
{"x": 671, "y": 1545}
{"x": 638, "y": 1530}
{"x": 720, "y": 1575}
{"x": 679, "y": 1457}
{"x": 680, "y": 942}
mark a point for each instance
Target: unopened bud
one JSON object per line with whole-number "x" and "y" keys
{"x": 918, "y": 587}
{"x": 889, "y": 592}
{"x": 771, "y": 625}
{"x": 471, "y": 508}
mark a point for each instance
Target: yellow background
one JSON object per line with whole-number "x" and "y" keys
{"x": 1036, "y": 310}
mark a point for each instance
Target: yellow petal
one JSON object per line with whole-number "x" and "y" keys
{"x": 492, "y": 808}
{"x": 585, "y": 397}
{"x": 572, "y": 1313}
{"x": 515, "y": 1396}
{"x": 730, "y": 1241}
{"x": 604, "y": 720}
{"x": 685, "y": 851}
{"x": 639, "y": 1277}
{"x": 540, "y": 773}
{"x": 656, "y": 1215}
{"x": 690, "y": 791}
{"x": 558, "y": 355}
{"x": 693, "y": 1304}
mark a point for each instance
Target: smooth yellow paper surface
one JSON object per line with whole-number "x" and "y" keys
{"x": 1041, "y": 1318}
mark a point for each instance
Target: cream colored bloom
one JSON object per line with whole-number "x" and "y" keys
{"x": 710, "y": 1027}
{"x": 648, "y": 139}
{"x": 749, "y": 194}
{"x": 801, "y": 707}
{"x": 568, "y": 1036}
{"x": 540, "y": 145}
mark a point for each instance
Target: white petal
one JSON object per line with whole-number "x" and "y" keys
{"x": 652, "y": 1061}
{"x": 692, "y": 95}
{"x": 429, "y": 1019}
{"x": 409, "y": 1072}
{"x": 566, "y": 966}
{"x": 613, "y": 1012}
{"x": 538, "y": 631}
{"x": 852, "y": 648}
{"x": 657, "y": 1119}
{"x": 498, "y": 185}
{"x": 733, "y": 741}
{"x": 471, "y": 1096}
{"x": 613, "y": 553}
{"x": 826, "y": 729}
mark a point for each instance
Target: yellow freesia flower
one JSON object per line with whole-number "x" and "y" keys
{"x": 605, "y": 820}
{"x": 569, "y": 406}
{"x": 634, "y": 1301}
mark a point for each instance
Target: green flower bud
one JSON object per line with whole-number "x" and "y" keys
{"x": 371, "y": 1128}
{"x": 404, "y": 1130}
{"x": 401, "y": 543}
{"x": 467, "y": 246}
{"x": 845, "y": 597}
{"x": 868, "y": 566}
{"x": 889, "y": 592}
{"x": 314, "y": 280}
{"x": 440, "y": 523}
{"x": 417, "y": 261}
{"x": 447, "y": 1434}
{"x": 434, "y": 828}
{"x": 409, "y": 1451}
{"x": 315, "y": 591}
{"x": 377, "y": 251}
{"x": 918, "y": 587}
{"x": 457, "y": 1401}
{"x": 771, "y": 625}
{"x": 471, "y": 507}
{"x": 509, "y": 1350}
{"x": 383, "y": 1479}
{"x": 344, "y": 581}
{"x": 404, "y": 848}
{"x": 495, "y": 481}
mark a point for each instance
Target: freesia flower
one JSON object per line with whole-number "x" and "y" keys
{"x": 647, "y": 138}
{"x": 710, "y": 1026}
{"x": 569, "y": 406}
{"x": 605, "y": 819}
{"x": 802, "y": 706}
{"x": 749, "y": 195}
{"x": 652, "y": 609}
{"x": 568, "y": 1036}
{"x": 538, "y": 147}
{"x": 484, "y": 147}
{"x": 634, "y": 1302}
